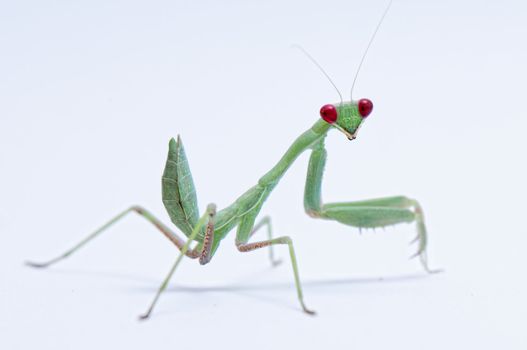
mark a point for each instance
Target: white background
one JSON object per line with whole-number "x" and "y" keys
{"x": 91, "y": 92}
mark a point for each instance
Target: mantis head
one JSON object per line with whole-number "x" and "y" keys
{"x": 347, "y": 117}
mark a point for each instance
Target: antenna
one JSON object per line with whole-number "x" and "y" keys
{"x": 368, "y": 47}
{"x": 319, "y": 67}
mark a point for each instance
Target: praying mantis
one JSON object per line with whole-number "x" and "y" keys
{"x": 204, "y": 233}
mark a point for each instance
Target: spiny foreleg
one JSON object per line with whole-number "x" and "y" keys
{"x": 373, "y": 213}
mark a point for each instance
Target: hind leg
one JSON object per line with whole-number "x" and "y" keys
{"x": 178, "y": 242}
{"x": 208, "y": 217}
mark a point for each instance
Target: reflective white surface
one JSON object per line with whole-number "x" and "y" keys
{"x": 91, "y": 92}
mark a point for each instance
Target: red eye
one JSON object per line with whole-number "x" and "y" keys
{"x": 329, "y": 113}
{"x": 365, "y": 107}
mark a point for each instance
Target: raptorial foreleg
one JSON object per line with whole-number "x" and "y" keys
{"x": 371, "y": 213}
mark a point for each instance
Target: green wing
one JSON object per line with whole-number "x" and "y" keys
{"x": 179, "y": 193}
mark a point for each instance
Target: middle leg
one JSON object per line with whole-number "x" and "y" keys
{"x": 245, "y": 231}
{"x": 266, "y": 221}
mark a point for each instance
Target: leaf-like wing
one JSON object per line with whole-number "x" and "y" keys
{"x": 179, "y": 193}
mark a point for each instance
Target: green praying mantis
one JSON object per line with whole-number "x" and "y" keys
{"x": 204, "y": 233}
